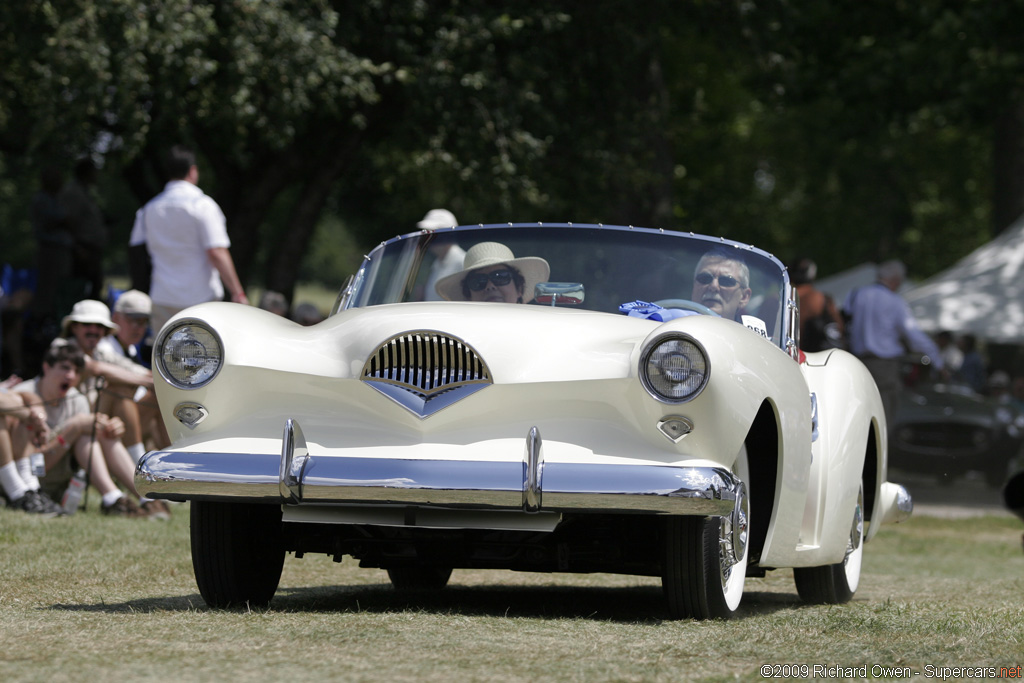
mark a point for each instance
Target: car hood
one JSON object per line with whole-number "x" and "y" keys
{"x": 519, "y": 343}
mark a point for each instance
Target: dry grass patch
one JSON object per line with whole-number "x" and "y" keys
{"x": 90, "y": 597}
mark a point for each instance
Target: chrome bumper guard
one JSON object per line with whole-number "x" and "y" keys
{"x": 297, "y": 477}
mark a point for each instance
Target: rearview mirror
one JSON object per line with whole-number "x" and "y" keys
{"x": 558, "y": 293}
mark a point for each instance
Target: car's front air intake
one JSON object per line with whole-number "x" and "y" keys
{"x": 425, "y": 364}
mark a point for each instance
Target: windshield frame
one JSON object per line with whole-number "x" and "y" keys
{"x": 413, "y": 252}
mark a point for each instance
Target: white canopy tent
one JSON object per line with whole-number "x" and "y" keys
{"x": 983, "y": 294}
{"x": 839, "y": 286}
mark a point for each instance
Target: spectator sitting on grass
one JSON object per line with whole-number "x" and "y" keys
{"x": 88, "y": 323}
{"x": 20, "y": 487}
{"x": 81, "y": 438}
{"x": 131, "y": 317}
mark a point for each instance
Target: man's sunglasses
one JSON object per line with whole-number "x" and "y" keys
{"x": 478, "y": 281}
{"x": 726, "y": 281}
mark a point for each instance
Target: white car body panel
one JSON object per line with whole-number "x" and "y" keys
{"x": 566, "y": 381}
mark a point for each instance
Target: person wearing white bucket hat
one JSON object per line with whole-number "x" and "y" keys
{"x": 437, "y": 218}
{"x": 491, "y": 272}
{"x": 88, "y": 323}
{"x": 448, "y": 256}
{"x": 89, "y": 312}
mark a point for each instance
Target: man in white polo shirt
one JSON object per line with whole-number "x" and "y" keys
{"x": 186, "y": 235}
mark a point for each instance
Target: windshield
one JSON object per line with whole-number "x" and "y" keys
{"x": 615, "y": 266}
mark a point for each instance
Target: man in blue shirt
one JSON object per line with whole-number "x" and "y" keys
{"x": 881, "y": 328}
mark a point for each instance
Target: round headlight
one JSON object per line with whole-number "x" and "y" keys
{"x": 188, "y": 354}
{"x": 674, "y": 369}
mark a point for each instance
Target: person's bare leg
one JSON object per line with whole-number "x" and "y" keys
{"x": 91, "y": 460}
{"x": 6, "y": 445}
{"x": 21, "y": 442}
{"x": 114, "y": 404}
{"x": 119, "y": 463}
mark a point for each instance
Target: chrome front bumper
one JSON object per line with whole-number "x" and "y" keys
{"x": 296, "y": 477}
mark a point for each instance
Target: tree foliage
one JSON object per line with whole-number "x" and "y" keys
{"x": 846, "y": 131}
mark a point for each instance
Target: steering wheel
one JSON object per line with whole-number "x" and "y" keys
{"x": 686, "y": 305}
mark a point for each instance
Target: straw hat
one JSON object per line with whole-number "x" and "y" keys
{"x": 88, "y": 311}
{"x": 533, "y": 268}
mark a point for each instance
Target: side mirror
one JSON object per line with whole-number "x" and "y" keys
{"x": 558, "y": 293}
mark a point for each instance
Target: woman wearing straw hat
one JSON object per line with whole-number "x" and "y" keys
{"x": 491, "y": 272}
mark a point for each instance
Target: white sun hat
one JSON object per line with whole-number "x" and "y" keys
{"x": 533, "y": 268}
{"x": 88, "y": 311}
{"x": 437, "y": 218}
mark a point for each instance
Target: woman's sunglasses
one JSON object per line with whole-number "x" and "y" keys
{"x": 726, "y": 281}
{"x": 478, "y": 281}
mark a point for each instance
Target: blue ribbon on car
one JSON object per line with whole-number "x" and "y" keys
{"x": 645, "y": 309}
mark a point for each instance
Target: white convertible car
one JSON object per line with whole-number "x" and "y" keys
{"x": 535, "y": 397}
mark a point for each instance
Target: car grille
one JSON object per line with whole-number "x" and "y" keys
{"x": 939, "y": 437}
{"x": 427, "y": 362}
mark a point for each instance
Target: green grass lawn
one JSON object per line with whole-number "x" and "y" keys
{"x": 92, "y": 598}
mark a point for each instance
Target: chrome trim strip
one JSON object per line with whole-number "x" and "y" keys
{"x": 814, "y": 417}
{"x": 533, "y": 466}
{"x": 424, "y": 406}
{"x": 663, "y": 489}
{"x": 792, "y": 319}
{"x": 294, "y": 456}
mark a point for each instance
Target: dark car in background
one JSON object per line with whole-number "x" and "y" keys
{"x": 948, "y": 430}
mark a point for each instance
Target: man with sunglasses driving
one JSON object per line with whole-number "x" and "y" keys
{"x": 491, "y": 272}
{"x": 722, "y": 283}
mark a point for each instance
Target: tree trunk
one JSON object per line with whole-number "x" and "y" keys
{"x": 286, "y": 259}
{"x": 1008, "y": 171}
{"x": 246, "y": 198}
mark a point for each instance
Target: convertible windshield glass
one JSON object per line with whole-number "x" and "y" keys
{"x": 615, "y": 266}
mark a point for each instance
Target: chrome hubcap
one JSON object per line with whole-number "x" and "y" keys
{"x": 732, "y": 534}
{"x": 857, "y": 530}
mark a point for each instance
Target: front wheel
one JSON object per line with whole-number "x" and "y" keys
{"x": 705, "y": 561}
{"x": 833, "y": 584}
{"x": 237, "y": 552}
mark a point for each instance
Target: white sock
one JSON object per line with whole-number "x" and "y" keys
{"x": 112, "y": 497}
{"x": 24, "y": 466}
{"x": 136, "y": 450}
{"x": 14, "y": 487}
{"x": 143, "y": 500}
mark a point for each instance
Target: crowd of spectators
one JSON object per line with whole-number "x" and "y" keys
{"x": 76, "y": 388}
